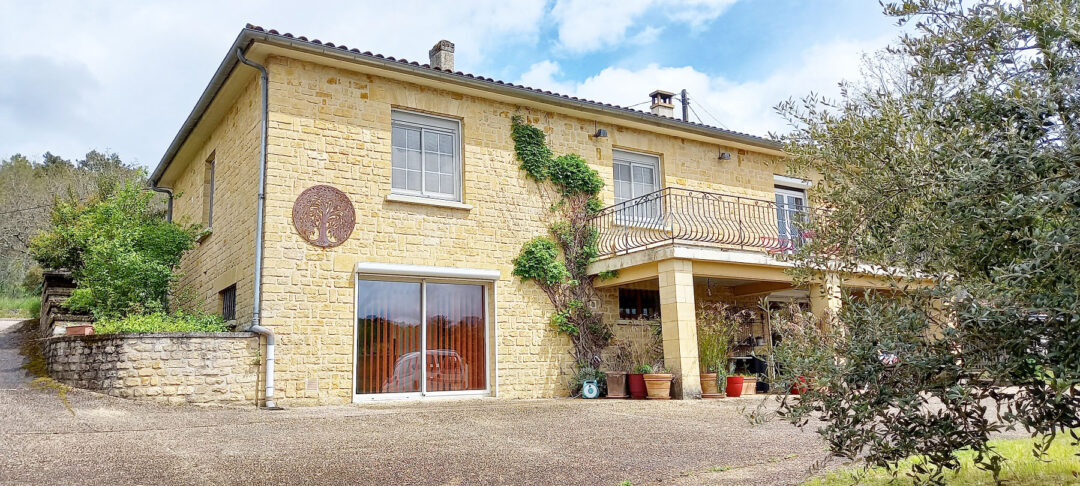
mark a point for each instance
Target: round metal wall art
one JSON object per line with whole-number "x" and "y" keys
{"x": 324, "y": 216}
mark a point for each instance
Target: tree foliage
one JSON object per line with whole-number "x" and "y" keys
{"x": 955, "y": 166}
{"x": 28, "y": 190}
{"x": 120, "y": 249}
{"x": 566, "y": 282}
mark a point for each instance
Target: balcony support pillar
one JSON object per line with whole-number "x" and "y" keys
{"x": 825, "y": 299}
{"x": 679, "y": 326}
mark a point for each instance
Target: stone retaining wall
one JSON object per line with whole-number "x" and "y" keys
{"x": 173, "y": 368}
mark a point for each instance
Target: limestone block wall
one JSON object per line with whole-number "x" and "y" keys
{"x": 172, "y": 368}
{"x": 225, "y": 256}
{"x": 333, "y": 126}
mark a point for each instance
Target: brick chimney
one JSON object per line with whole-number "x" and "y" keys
{"x": 442, "y": 55}
{"x": 661, "y": 103}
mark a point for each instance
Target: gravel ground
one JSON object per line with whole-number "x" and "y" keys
{"x": 477, "y": 441}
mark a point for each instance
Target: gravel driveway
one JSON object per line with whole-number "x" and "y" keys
{"x": 106, "y": 440}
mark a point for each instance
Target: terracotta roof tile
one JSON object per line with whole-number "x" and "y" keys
{"x": 499, "y": 82}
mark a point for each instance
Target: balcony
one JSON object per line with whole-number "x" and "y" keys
{"x": 676, "y": 215}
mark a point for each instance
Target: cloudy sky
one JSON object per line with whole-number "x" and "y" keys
{"x": 122, "y": 75}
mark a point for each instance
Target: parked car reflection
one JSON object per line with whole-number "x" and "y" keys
{"x": 446, "y": 371}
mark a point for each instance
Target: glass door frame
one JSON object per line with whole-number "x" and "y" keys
{"x": 488, "y": 305}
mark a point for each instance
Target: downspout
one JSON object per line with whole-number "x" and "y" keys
{"x": 168, "y": 192}
{"x": 264, "y": 79}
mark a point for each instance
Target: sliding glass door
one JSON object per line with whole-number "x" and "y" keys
{"x": 419, "y": 337}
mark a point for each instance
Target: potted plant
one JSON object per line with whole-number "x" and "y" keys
{"x": 734, "y": 386}
{"x": 717, "y": 328}
{"x": 644, "y": 353}
{"x": 637, "y": 381}
{"x": 616, "y": 379}
{"x": 657, "y": 382}
{"x": 749, "y": 385}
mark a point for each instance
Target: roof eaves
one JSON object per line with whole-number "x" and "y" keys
{"x": 252, "y": 33}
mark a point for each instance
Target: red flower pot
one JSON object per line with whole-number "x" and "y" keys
{"x": 637, "y": 386}
{"x": 800, "y": 386}
{"x": 734, "y": 386}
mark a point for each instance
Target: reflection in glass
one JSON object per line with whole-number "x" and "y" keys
{"x": 455, "y": 337}
{"x": 388, "y": 333}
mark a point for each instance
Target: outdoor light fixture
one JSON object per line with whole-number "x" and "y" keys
{"x": 725, "y": 156}
{"x": 600, "y": 132}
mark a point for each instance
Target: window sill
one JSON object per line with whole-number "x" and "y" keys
{"x": 427, "y": 201}
{"x": 203, "y": 235}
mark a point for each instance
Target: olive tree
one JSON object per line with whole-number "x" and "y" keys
{"x": 954, "y": 167}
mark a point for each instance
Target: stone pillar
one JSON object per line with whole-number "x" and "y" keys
{"x": 679, "y": 326}
{"x": 825, "y": 299}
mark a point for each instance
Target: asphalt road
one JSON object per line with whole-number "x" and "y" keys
{"x": 106, "y": 440}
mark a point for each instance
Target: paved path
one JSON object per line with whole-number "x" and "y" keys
{"x": 105, "y": 440}
{"x": 11, "y": 373}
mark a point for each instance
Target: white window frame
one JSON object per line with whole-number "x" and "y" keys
{"x": 637, "y": 159}
{"x": 487, "y": 279}
{"x": 429, "y": 124}
{"x": 790, "y": 192}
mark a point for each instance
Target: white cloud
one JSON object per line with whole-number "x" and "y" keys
{"x": 124, "y": 74}
{"x": 593, "y": 25}
{"x": 745, "y": 106}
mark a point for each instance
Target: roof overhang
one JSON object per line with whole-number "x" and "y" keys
{"x": 259, "y": 44}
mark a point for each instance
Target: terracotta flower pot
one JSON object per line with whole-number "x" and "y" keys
{"x": 616, "y": 385}
{"x": 637, "y": 386}
{"x": 658, "y": 385}
{"x": 80, "y": 330}
{"x": 734, "y": 386}
{"x": 749, "y": 386}
{"x": 709, "y": 389}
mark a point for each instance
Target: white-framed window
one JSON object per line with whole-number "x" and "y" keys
{"x": 636, "y": 175}
{"x": 426, "y": 155}
{"x": 790, "y": 206}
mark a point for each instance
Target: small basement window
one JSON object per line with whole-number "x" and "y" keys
{"x": 639, "y": 304}
{"x": 228, "y": 303}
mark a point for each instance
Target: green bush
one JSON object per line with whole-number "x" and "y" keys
{"x": 161, "y": 322}
{"x": 539, "y": 260}
{"x": 121, "y": 251}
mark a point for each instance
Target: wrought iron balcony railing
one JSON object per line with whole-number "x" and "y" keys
{"x": 675, "y": 214}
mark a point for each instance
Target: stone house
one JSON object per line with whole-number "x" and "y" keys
{"x": 378, "y": 260}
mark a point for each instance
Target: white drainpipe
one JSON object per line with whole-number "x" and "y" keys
{"x": 257, "y": 294}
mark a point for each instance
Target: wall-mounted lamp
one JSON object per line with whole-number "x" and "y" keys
{"x": 600, "y": 132}
{"x": 725, "y": 156}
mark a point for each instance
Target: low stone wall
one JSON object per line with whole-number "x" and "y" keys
{"x": 173, "y": 368}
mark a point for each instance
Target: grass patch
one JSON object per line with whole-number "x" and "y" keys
{"x": 35, "y": 365}
{"x": 161, "y": 322}
{"x": 1021, "y": 468}
{"x": 720, "y": 469}
{"x": 20, "y": 307}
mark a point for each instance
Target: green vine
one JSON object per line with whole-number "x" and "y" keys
{"x": 558, "y": 263}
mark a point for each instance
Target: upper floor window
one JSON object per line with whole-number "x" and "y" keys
{"x": 208, "y": 191}
{"x": 426, "y": 159}
{"x": 635, "y": 174}
{"x": 790, "y": 206}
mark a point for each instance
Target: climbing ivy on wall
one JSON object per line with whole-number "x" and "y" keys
{"x": 558, "y": 262}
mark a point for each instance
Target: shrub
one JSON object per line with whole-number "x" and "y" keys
{"x": 121, "y": 251}
{"x": 161, "y": 322}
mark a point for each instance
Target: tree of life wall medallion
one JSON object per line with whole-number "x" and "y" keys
{"x": 323, "y": 216}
